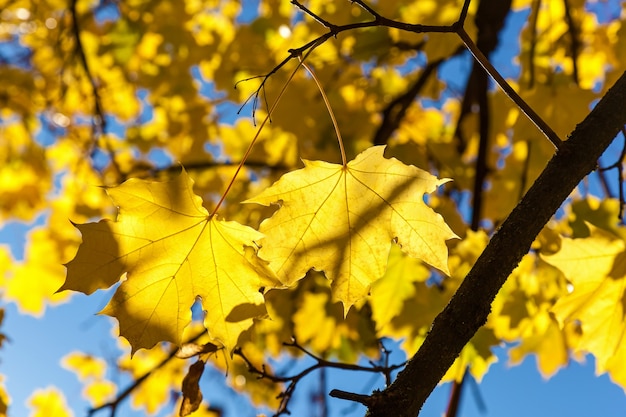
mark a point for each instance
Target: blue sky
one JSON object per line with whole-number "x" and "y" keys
{"x": 31, "y": 358}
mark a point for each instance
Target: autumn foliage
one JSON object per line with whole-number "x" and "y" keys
{"x": 306, "y": 179}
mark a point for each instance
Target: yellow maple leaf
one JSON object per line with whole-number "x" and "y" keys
{"x": 596, "y": 267}
{"x": 172, "y": 252}
{"x": 342, "y": 220}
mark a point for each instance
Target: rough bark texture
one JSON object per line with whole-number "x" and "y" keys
{"x": 469, "y": 307}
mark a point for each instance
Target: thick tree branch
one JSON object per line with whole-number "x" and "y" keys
{"x": 469, "y": 307}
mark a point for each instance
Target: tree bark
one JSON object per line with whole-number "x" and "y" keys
{"x": 469, "y": 307}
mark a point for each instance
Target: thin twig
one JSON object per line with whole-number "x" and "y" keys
{"x": 315, "y": 17}
{"x": 112, "y": 405}
{"x": 367, "y": 8}
{"x": 98, "y": 121}
{"x": 508, "y": 90}
{"x": 574, "y": 39}
{"x": 292, "y": 380}
{"x": 334, "y": 30}
{"x": 395, "y": 111}
{"x": 456, "y": 27}
{"x": 534, "y": 15}
{"x": 463, "y": 14}
{"x": 618, "y": 166}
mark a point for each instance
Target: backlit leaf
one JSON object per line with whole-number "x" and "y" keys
{"x": 596, "y": 267}
{"x": 342, "y": 220}
{"x": 172, "y": 253}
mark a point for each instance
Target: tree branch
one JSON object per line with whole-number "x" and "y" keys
{"x": 320, "y": 363}
{"x": 471, "y": 304}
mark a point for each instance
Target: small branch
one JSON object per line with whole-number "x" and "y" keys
{"x": 618, "y": 167}
{"x": 456, "y": 27}
{"x": 344, "y": 395}
{"x": 463, "y": 14}
{"x": 534, "y": 15}
{"x": 99, "y": 121}
{"x": 367, "y": 8}
{"x": 112, "y": 405}
{"x": 320, "y": 363}
{"x": 334, "y": 30}
{"x": 575, "y": 41}
{"x": 395, "y": 111}
{"x": 455, "y": 396}
{"x": 482, "y": 170}
{"x": 508, "y": 90}
{"x": 313, "y": 15}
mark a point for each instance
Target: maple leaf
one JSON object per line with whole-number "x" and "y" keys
{"x": 172, "y": 252}
{"x": 342, "y": 220}
{"x": 596, "y": 267}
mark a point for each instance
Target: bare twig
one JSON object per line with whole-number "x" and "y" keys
{"x": 320, "y": 363}
{"x": 574, "y": 39}
{"x": 334, "y": 30}
{"x": 534, "y": 15}
{"x": 618, "y": 166}
{"x": 114, "y": 404}
{"x": 508, "y": 90}
{"x": 381, "y": 21}
{"x": 98, "y": 121}
{"x": 395, "y": 111}
{"x": 315, "y": 17}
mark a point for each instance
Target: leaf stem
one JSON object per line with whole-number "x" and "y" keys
{"x": 256, "y": 136}
{"x": 344, "y": 160}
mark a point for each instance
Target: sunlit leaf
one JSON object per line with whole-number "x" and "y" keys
{"x": 596, "y": 268}
{"x": 342, "y": 220}
{"x": 172, "y": 253}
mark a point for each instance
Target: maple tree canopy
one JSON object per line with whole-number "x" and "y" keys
{"x": 261, "y": 182}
